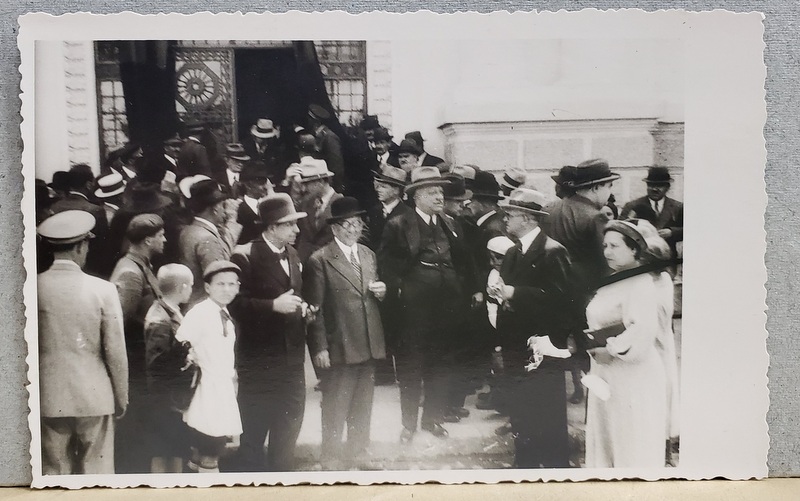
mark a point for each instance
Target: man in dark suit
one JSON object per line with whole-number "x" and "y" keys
{"x": 665, "y": 213}
{"x": 389, "y": 184}
{"x": 346, "y": 337}
{"x": 329, "y": 144}
{"x": 271, "y": 345}
{"x": 100, "y": 261}
{"x": 229, "y": 179}
{"x": 533, "y": 290}
{"x": 424, "y": 261}
{"x": 577, "y": 223}
{"x": 256, "y": 185}
{"x": 83, "y": 368}
{"x": 193, "y": 157}
{"x": 315, "y": 180}
{"x": 425, "y": 158}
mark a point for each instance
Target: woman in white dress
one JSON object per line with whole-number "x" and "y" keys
{"x": 213, "y": 414}
{"x": 626, "y": 423}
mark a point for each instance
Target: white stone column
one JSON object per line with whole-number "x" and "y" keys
{"x": 379, "y": 81}
{"x": 81, "y": 100}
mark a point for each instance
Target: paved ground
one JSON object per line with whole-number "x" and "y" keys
{"x": 472, "y": 442}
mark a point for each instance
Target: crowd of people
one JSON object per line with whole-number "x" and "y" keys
{"x": 178, "y": 295}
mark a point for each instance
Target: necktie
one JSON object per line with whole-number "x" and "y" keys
{"x": 355, "y": 264}
{"x": 657, "y": 208}
{"x": 225, "y": 319}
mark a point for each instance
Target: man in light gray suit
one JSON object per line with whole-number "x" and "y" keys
{"x": 346, "y": 337}
{"x": 83, "y": 367}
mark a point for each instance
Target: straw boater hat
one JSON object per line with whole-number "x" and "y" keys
{"x": 526, "y": 200}
{"x": 658, "y": 175}
{"x": 235, "y": 151}
{"x": 67, "y": 227}
{"x": 110, "y": 185}
{"x": 392, "y": 175}
{"x": 185, "y": 184}
{"x": 345, "y": 208}
{"x": 312, "y": 169}
{"x": 513, "y": 178}
{"x": 278, "y": 208}
{"x": 592, "y": 172}
{"x": 263, "y": 129}
{"x": 422, "y": 177}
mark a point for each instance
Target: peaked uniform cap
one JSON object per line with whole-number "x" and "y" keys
{"x": 67, "y": 227}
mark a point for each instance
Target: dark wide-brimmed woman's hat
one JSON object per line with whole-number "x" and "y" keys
{"x": 392, "y": 175}
{"x": 344, "y": 208}
{"x": 629, "y": 229}
{"x": 591, "y": 172}
{"x": 278, "y": 208}
{"x": 422, "y": 177}
{"x": 526, "y": 200}
{"x": 658, "y": 175}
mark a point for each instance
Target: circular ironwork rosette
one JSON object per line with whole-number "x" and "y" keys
{"x": 198, "y": 86}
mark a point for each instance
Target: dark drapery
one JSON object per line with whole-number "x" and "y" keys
{"x": 147, "y": 70}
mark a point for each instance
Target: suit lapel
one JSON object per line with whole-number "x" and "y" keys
{"x": 665, "y": 214}
{"x": 341, "y": 264}
{"x": 534, "y": 251}
{"x": 274, "y": 269}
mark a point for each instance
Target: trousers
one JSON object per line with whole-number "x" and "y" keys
{"x": 77, "y": 445}
{"x": 347, "y": 392}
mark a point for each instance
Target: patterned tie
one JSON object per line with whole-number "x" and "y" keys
{"x": 225, "y": 319}
{"x": 356, "y": 265}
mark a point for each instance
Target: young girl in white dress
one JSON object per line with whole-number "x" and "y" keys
{"x": 213, "y": 414}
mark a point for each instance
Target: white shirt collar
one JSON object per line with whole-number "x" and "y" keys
{"x": 486, "y": 216}
{"x": 421, "y": 158}
{"x": 528, "y": 239}
{"x": 252, "y": 203}
{"x": 79, "y": 194}
{"x": 428, "y": 218}
{"x": 348, "y": 251}
{"x": 384, "y": 158}
{"x": 232, "y": 176}
{"x": 388, "y": 208}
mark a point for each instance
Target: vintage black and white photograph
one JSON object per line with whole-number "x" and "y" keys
{"x": 265, "y": 257}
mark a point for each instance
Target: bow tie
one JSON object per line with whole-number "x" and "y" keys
{"x": 283, "y": 255}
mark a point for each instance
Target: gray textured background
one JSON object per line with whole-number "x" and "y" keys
{"x": 782, "y": 179}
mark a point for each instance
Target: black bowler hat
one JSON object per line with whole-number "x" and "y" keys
{"x": 658, "y": 175}
{"x": 456, "y": 189}
{"x": 369, "y": 122}
{"x": 254, "y": 170}
{"x": 344, "y": 208}
{"x": 205, "y": 193}
{"x": 381, "y": 134}
{"x": 485, "y": 186}
{"x": 409, "y": 146}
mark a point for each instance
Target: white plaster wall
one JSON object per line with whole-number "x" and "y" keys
{"x": 50, "y": 110}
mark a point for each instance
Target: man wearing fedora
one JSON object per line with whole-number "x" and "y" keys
{"x": 193, "y": 158}
{"x": 408, "y": 155}
{"x": 264, "y": 145}
{"x": 235, "y": 158}
{"x": 329, "y": 144}
{"x": 577, "y": 222}
{"x": 665, "y": 213}
{"x": 255, "y": 182}
{"x": 207, "y": 238}
{"x": 271, "y": 346}
{"x": 424, "y": 262}
{"x": 81, "y": 184}
{"x": 388, "y": 183}
{"x": 318, "y": 194}
{"x": 534, "y": 288}
{"x": 83, "y": 369}
{"x": 425, "y": 158}
{"x": 346, "y": 337}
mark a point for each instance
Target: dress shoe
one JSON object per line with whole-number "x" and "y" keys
{"x": 436, "y": 430}
{"x": 450, "y": 418}
{"x": 460, "y": 412}
{"x": 406, "y": 436}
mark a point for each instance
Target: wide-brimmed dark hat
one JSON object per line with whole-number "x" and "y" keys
{"x": 565, "y": 176}
{"x": 591, "y": 172}
{"x": 369, "y": 122}
{"x": 408, "y": 146}
{"x": 658, "y": 175}
{"x": 344, "y": 208}
{"x": 60, "y": 181}
{"x": 144, "y": 197}
{"x": 416, "y": 136}
{"x": 486, "y": 186}
{"x": 263, "y": 129}
{"x": 253, "y": 171}
{"x": 524, "y": 199}
{"x": 392, "y": 175}
{"x": 318, "y": 112}
{"x": 205, "y": 193}
{"x": 456, "y": 189}
{"x": 278, "y": 208}
{"x": 422, "y": 177}
{"x": 381, "y": 134}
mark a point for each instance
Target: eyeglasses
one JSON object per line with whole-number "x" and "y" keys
{"x": 352, "y": 225}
